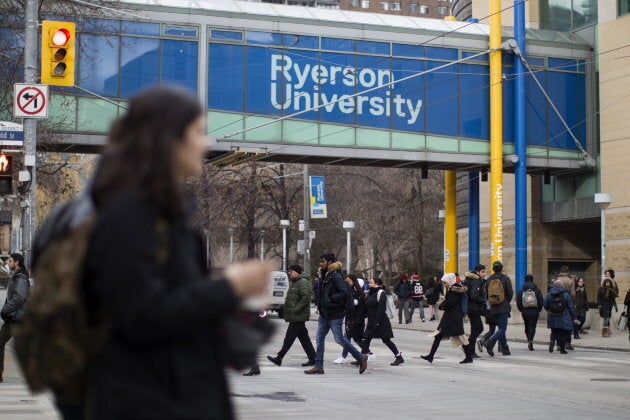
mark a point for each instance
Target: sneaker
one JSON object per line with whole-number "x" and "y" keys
{"x": 275, "y": 360}
{"x": 398, "y": 361}
{"x": 340, "y": 360}
{"x": 422, "y": 319}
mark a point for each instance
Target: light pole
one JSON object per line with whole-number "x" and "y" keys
{"x": 262, "y": 245}
{"x": 603, "y": 200}
{"x": 231, "y": 231}
{"x": 348, "y": 226}
{"x": 284, "y": 224}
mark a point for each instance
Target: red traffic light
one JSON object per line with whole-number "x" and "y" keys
{"x": 60, "y": 37}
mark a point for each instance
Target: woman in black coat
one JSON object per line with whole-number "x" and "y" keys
{"x": 606, "y": 301}
{"x": 581, "y": 307}
{"x": 355, "y": 314}
{"x": 161, "y": 355}
{"x": 378, "y": 325}
{"x": 432, "y": 294}
{"x": 452, "y": 322}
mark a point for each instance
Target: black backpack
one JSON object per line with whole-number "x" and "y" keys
{"x": 557, "y": 305}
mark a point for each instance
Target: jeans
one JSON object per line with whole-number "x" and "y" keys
{"x": 606, "y": 323}
{"x": 297, "y": 330}
{"x": 417, "y": 304}
{"x": 499, "y": 335}
{"x": 5, "y": 335}
{"x": 530, "y": 326}
{"x": 344, "y": 353}
{"x": 582, "y": 319}
{"x": 403, "y": 304}
{"x": 335, "y": 325}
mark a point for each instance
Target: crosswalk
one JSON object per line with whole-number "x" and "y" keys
{"x": 17, "y": 402}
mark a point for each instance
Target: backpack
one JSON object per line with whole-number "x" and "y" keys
{"x": 54, "y": 340}
{"x": 390, "y": 307}
{"x": 528, "y": 299}
{"x": 557, "y": 304}
{"x": 496, "y": 294}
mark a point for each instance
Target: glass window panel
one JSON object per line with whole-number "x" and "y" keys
{"x": 179, "y": 63}
{"x": 301, "y": 41}
{"x": 337, "y": 44}
{"x": 139, "y": 64}
{"x": 226, "y": 35}
{"x": 99, "y": 25}
{"x": 536, "y": 61}
{"x": 407, "y": 50}
{"x": 141, "y": 28}
{"x": 184, "y": 31}
{"x": 95, "y": 115}
{"x": 556, "y": 14}
{"x": 584, "y": 13}
{"x": 424, "y": 10}
{"x": 561, "y": 64}
{"x": 343, "y": 76}
{"x": 412, "y": 91}
{"x": 481, "y": 58}
{"x": 536, "y": 110}
{"x": 98, "y": 64}
{"x": 266, "y": 38}
{"x": 561, "y": 90}
{"x": 474, "y": 101}
{"x": 226, "y": 64}
{"x": 371, "y": 107}
{"x": 365, "y": 4}
{"x": 508, "y": 104}
{"x": 441, "y": 100}
{"x": 624, "y": 7}
{"x": 371, "y": 47}
{"x": 441, "y": 53}
{"x": 264, "y": 95}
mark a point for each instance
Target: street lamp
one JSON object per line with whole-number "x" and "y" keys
{"x": 231, "y": 231}
{"x": 348, "y": 226}
{"x": 284, "y": 224}
{"x": 603, "y": 200}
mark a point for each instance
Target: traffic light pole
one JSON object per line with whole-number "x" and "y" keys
{"x": 30, "y": 126}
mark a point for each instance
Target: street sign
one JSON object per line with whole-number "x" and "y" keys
{"x": 11, "y": 134}
{"x": 30, "y": 101}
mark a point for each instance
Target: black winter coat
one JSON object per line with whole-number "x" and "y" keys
{"x": 433, "y": 296}
{"x": 14, "y": 308}
{"x": 333, "y": 293}
{"x": 378, "y": 325}
{"x": 162, "y": 358}
{"x": 539, "y": 299}
{"x": 452, "y": 322}
{"x": 355, "y": 318}
{"x": 476, "y": 294}
{"x": 581, "y": 301}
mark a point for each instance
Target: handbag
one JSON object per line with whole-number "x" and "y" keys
{"x": 623, "y": 320}
{"x": 243, "y": 335}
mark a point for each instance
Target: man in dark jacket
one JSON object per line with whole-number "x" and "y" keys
{"x": 475, "y": 282}
{"x": 500, "y": 311}
{"x": 331, "y": 304}
{"x": 14, "y": 308}
{"x": 529, "y": 308}
{"x": 403, "y": 291}
{"x": 297, "y": 310}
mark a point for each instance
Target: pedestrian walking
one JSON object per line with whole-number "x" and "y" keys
{"x": 355, "y": 314}
{"x": 500, "y": 294}
{"x": 402, "y": 289}
{"x": 146, "y": 280}
{"x": 581, "y": 307}
{"x": 606, "y": 301}
{"x": 332, "y": 300}
{"x": 452, "y": 322}
{"x": 475, "y": 282}
{"x": 560, "y": 315}
{"x": 417, "y": 296}
{"x": 529, "y": 301}
{"x": 378, "y": 325}
{"x": 297, "y": 310}
{"x": 14, "y": 308}
{"x": 432, "y": 294}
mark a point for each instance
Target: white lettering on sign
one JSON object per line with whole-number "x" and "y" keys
{"x": 294, "y": 77}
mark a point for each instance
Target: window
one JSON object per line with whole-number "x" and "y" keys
{"x": 394, "y": 6}
{"x": 624, "y": 7}
{"x": 442, "y": 10}
{"x": 354, "y": 3}
{"x": 384, "y": 5}
{"x": 413, "y": 8}
{"x": 365, "y": 4}
{"x": 424, "y": 10}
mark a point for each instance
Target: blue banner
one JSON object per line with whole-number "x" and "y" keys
{"x": 318, "y": 197}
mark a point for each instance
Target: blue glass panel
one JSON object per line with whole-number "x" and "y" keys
{"x": 141, "y": 28}
{"x": 536, "y": 110}
{"x": 139, "y": 64}
{"x": 508, "y": 104}
{"x": 98, "y": 64}
{"x": 562, "y": 91}
{"x": 265, "y": 38}
{"x": 99, "y": 25}
{"x": 342, "y": 81}
{"x": 408, "y": 50}
{"x": 336, "y": 44}
{"x": 562, "y": 64}
{"x": 481, "y": 58}
{"x": 474, "y": 102}
{"x": 370, "y": 47}
{"x": 507, "y": 58}
{"x": 301, "y": 41}
{"x": 581, "y": 66}
{"x": 184, "y": 31}
{"x": 580, "y": 93}
{"x": 226, "y": 64}
{"x": 263, "y": 65}
{"x": 371, "y": 107}
{"x": 536, "y": 61}
{"x": 441, "y": 100}
{"x": 412, "y": 91}
{"x": 179, "y": 63}
{"x": 441, "y": 53}
{"x": 226, "y": 35}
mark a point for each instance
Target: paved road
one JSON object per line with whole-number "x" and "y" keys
{"x": 586, "y": 383}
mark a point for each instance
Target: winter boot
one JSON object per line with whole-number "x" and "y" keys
{"x": 576, "y": 335}
{"x": 428, "y": 358}
{"x": 399, "y": 360}
{"x": 468, "y": 351}
{"x": 489, "y": 345}
{"x": 562, "y": 349}
{"x": 551, "y": 347}
{"x": 505, "y": 350}
{"x": 605, "y": 332}
{"x": 275, "y": 360}
{"x": 530, "y": 345}
{"x": 255, "y": 370}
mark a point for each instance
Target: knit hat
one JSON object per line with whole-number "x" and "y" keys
{"x": 449, "y": 279}
{"x": 296, "y": 267}
{"x": 497, "y": 266}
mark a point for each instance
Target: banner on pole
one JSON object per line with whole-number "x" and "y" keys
{"x": 318, "y": 197}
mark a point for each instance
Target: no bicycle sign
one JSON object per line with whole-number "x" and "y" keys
{"x": 30, "y": 101}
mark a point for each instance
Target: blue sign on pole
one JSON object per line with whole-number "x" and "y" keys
{"x": 11, "y": 134}
{"x": 318, "y": 197}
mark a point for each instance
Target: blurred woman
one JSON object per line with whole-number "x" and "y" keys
{"x": 355, "y": 315}
{"x": 606, "y": 300}
{"x": 581, "y": 306}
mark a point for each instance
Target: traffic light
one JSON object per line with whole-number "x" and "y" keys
{"x": 58, "y": 53}
{"x": 6, "y": 176}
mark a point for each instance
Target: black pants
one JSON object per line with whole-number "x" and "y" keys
{"x": 530, "y": 326}
{"x": 476, "y": 328}
{"x": 560, "y": 337}
{"x": 297, "y": 330}
{"x": 388, "y": 342}
{"x": 491, "y": 329}
{"x": 436, "y": 344}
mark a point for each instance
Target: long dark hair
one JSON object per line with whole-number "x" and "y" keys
{"x": 140, "y": 154}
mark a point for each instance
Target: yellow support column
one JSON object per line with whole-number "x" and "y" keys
{"x": 450, "y": 223}
{"x": 496, "y": 135}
